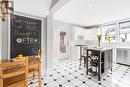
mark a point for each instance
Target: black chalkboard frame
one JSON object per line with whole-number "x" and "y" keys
{"x": 26, "y": 49}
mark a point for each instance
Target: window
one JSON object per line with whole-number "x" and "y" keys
{"x": 109, "y": 31}
{"x": 124, "y": 33}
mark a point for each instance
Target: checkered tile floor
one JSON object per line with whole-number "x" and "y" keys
{"x": 66, "y": 73}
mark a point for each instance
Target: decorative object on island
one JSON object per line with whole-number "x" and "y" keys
{"x": 123, "y": 39}
{"x": 7, "y": 7}
{"x": 108, "y": 38}
{"x": 124, "y": 36}
{"x": 99, "y": 36}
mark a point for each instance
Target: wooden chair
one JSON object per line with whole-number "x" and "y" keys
{"x": 35, "y": 67}
{"x": 14, "y": 73}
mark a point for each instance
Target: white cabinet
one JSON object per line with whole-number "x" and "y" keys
{"x": 123, "y": 56}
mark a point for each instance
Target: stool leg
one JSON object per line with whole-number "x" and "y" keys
{"x": 87, "y": 66}
{"x": 84, "y": 61}
{"x": 80, "y": 63}
{"x": 80, "y": 57}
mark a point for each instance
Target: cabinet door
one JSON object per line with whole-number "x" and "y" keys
{"x": 129, "y": 56}
{"x": 110, "y": 58}
{"x": 119, "y": 56}
{"x": 127, "y": 59}
{"x": 123, "y": 56}
{"x": 106, "y": 60}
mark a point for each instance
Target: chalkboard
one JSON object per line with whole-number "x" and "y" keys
{"x": 25, "y": 37}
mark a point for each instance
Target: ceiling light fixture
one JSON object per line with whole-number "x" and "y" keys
{"x": 7, "y": 7}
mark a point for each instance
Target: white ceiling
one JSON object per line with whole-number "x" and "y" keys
{"x": 33, "y": 7}
{"x": 92, "y": 12}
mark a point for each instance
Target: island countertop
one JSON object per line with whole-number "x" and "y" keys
{"x": 99, "y": 48}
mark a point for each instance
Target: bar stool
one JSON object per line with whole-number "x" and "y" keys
{"x": 83, "y": 56}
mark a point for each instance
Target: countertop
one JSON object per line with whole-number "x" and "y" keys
{"x": 100, "y": 48}
{"x": 122, "y": 47}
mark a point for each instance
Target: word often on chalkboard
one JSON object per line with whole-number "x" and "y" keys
{"x": 25, "y": 35}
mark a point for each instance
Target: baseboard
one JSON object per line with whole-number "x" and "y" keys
{"x": 123, "y": 64}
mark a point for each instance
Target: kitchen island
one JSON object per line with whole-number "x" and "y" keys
{"x": 99, "y": 60}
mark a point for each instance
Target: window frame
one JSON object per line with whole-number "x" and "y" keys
{"x": 125, "y": 31}
{"x": 111, "y": 35}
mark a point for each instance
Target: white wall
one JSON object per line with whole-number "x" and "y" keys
{"x": 44, "y": 45}
{"x": 49, "y": 42}
{"x": 5, "y": 40}
{"x": 58, "y": 27}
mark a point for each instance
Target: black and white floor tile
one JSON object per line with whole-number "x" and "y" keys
{"x": 66, "y": 73}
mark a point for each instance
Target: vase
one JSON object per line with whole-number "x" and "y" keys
{"x": 99, "y": 43}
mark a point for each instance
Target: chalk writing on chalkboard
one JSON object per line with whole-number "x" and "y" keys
{"x": 25, "y": 35}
